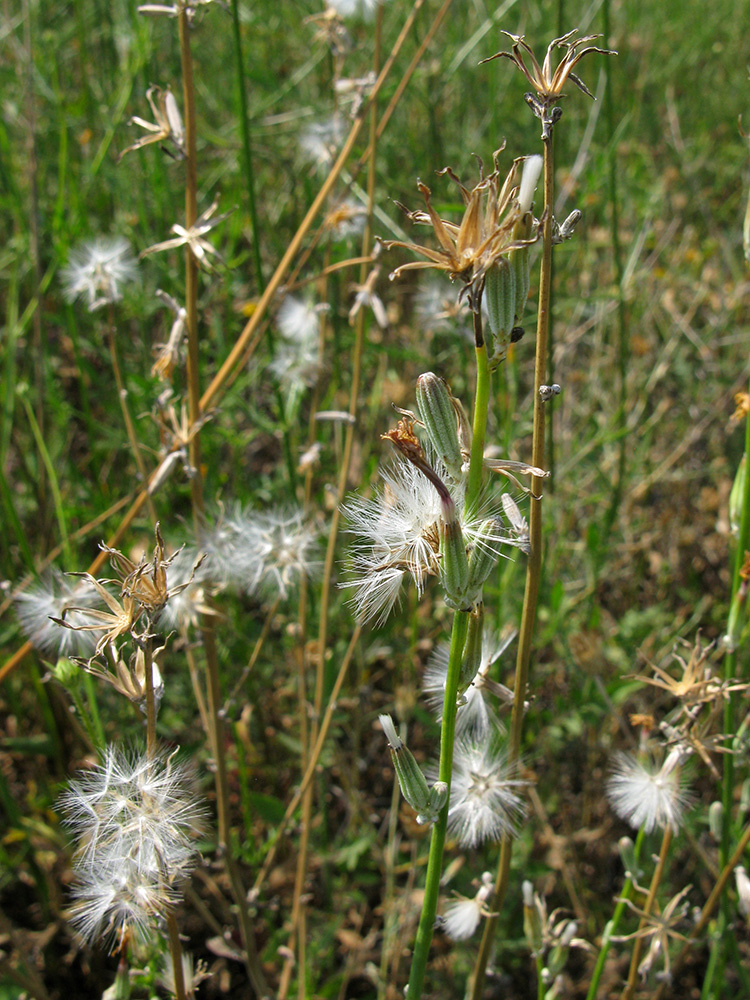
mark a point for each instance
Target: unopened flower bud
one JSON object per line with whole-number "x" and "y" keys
{"x": 66, "y": 672}
{"x": 735, "y": 498}
{"x": 438, "y": 798}
{"x": 532, "y": 170}
{"x": 742, "y": 882}
{"x": 472, "y": 655}
{"x": 411, "y": 780}
{"x": 627, "y": 855}
{"x": 438, "y": 412}
{"x": 716, "y": 820}
{"x": 532, "y": 924}
{"x": 454, "y": 565}
{"x": 500, "y": 296}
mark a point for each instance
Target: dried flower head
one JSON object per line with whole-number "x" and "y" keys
{"x": 546, "y": 82}
{"x": 97, "y": 269}
{"x": 135, "y": 817}
{"x": 467, "y": 251}
{"x": 167, "y": 125}
{"x": 658, "y": 927}
{"x": 194, "y": 238}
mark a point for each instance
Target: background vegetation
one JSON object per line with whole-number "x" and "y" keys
{"x": 650, "y": 331}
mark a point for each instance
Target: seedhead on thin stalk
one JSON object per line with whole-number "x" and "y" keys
{"x": 486, "y": 233}
{"x": 548, "y": 83}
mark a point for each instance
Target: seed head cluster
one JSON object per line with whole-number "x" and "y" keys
{"x": 134, "y": 817}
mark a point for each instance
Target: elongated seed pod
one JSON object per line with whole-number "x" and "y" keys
{"x": 438, "y": 412}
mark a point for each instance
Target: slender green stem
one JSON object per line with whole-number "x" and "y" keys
{"x": 122, "y": 394}
{"x": 247, "y": 154}
{"x": 437, "y": 842}
{"x": 52, "y": 476}
{"x": 612, "y": 925}
{"x": 148, "y": 677}
{"x": 734, "y": 629}
{"x": 481, "y": 408}
{"x": 458, "y": 641}
{"x": 533, "y": 567}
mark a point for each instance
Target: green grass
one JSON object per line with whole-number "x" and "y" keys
{"x": 637, "y": 554}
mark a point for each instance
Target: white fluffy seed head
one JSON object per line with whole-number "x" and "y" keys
{"x": 50, "y": 598}
{"x": 646, "y": 794}
{"x": 135, "y": 818}
{"x": 485, "y": 802}
{"x": 97, "y": 270}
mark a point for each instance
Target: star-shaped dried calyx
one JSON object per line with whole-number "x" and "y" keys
{"x": 547, "y": 82}
{"x": 486, "y": 232}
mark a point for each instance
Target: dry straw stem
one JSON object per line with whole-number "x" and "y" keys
{"x": 297, "y": 918}
{"x": 237, "y": 354}
{"x": 534, "y": 564}
{"x": 635, "y": 958}
{"x": 708, "y": 908}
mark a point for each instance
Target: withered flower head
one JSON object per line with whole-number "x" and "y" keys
{"x": 467, "y": 251}
{"x": 548, "y": 83}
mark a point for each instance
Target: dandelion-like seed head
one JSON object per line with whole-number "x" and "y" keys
{"x": 134, "y": 817}
{"x": 646, "y": 794}
{"x": 320, "y": 141}
{"x": 264, "y": 552}
{"x": 485, "y": 802}
{"x": 97, "y": 270}
{"x": 473, "y": 717}
{"x": 51, "y": 598}
{"x": 297, "y": 358}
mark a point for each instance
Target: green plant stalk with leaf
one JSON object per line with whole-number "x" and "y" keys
{"x": 459, "y": 632}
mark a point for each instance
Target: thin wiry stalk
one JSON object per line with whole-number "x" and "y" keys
{"x": 247, "y": 154}
{"x": 175, "y": 951}
{"x": 322, "y": 641}
{"x": 718, "y": 943}
{"x": 533, "y": 566}
{"x": 313, "y": 759}
{"x": 706, "y": 913}
{"x": 612, "y": 925}
{"x": 150, "y": 702}
{"x": 254, "y": 970}
{"x": 623, "y": 341}
{"x": 635, "y": 958}
{"x": 122, "y": 395}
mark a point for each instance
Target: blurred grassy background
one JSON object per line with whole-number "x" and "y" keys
{"x": 648, "y": 348}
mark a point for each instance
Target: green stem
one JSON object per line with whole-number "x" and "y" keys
{"x": 246, "y": 146}
{"x": 481, "y": 407}
{"x": 458, "y": 641}
{"x": 533, "y": 567}
{"x": 52, "y": 475}
{"x": 612, "y": 925}
{"x": 437, "y": 842}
